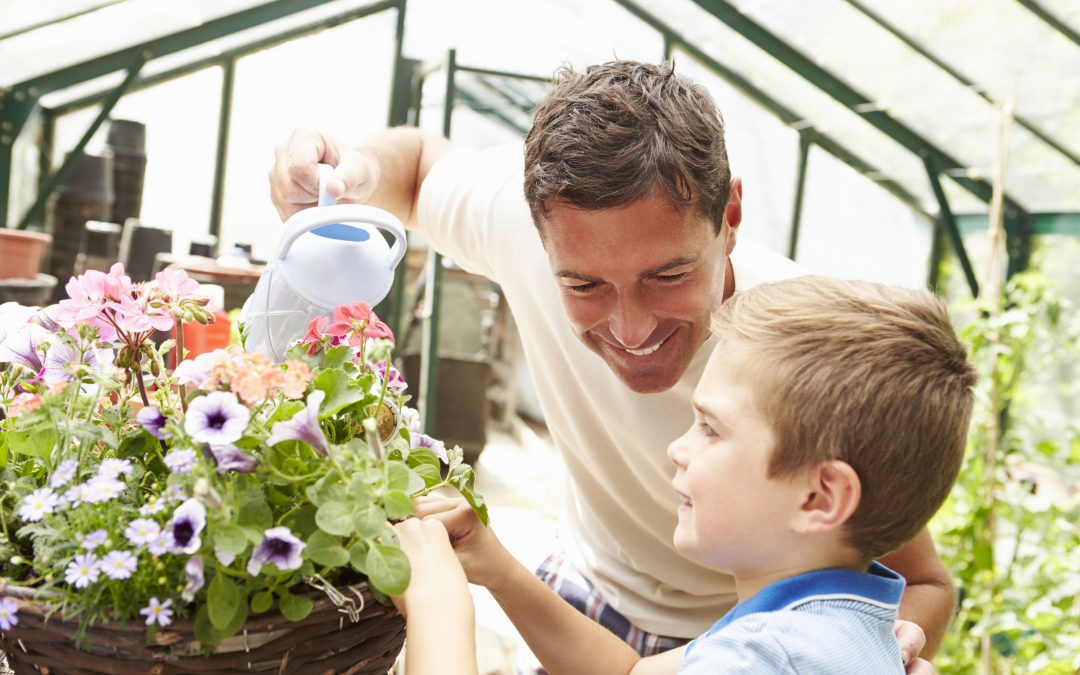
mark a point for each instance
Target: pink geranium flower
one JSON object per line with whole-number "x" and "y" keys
{"x": 315, "y": 330}
{"x": 176, "y": 285}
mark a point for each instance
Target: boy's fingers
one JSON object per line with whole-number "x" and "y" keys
{"x": 911, "y": 639}
{"x": 920, "y": 667}
{"x": 432, "y": 504}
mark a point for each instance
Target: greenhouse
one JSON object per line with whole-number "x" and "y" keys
{"x": 238, "y": 391}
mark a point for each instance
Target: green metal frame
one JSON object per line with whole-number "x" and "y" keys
{"x": 959, "y": 77}
{"x": 1054, "y": 22}
{"x": 13, "y": 111}
{"x": 224, "y": 126}
{"x": 1016, "y": 218}
{"x": 800, "y": 186}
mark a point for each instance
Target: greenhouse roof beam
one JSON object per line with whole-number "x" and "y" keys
{"x": 1054, "y": 22}
{"x": 959, "y": 77}
{"x": 237, "y": 52}
{"x": 855, "y": 101}
{"x": 169, "y": 44}
{"x": 788, "y": 116}
{"x": 65, "y": 17}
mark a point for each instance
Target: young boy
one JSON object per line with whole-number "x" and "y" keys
{"x": 830, "y": 424}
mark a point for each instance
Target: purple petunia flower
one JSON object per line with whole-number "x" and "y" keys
{"x": 153, "y": 420}
{"x": 187, "y": 522}
{"x": 181, "y": 461}
{"x": 60, "y": 359}
{"x": 395, "y": 382}
{"x": 157, "y": 612}
{"x": 304, "y": 426}
{"x": 279, "y": 547}
{"x": 8, "y": 613}
{"x": 193, "y": 570}
{"x": 433, "y": 444}
{"x": 232, "y": 458}
{"x": 216, "y": 418}
{"x": 21, "y": 347}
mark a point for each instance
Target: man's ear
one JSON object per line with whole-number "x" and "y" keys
{"x": 733, "y": 212}
{"x": 833, "y": 491}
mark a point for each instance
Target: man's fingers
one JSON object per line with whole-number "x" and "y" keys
{"x": 354, "y": 177}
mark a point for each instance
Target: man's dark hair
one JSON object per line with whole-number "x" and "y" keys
{"x": 620, "y": 131}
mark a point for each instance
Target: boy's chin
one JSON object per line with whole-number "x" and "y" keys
{"x": 687, "y": 546}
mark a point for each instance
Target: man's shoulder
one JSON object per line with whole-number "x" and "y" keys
{"x": 754, "y": 264}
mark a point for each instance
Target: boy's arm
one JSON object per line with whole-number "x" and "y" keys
{"x": 440, "y": 632}
{"x": 929, "y": 598}
{"x": 565, "y": 640}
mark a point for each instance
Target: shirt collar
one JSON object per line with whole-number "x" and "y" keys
{"x": 878, "y": 586}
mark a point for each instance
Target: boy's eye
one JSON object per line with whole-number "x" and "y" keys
{"x": 706, "y": 430}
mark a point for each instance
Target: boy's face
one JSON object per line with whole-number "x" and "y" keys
{"x": 732, "y": 515}
{"x": 639, "y": 283}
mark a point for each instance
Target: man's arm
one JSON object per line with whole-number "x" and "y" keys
{"x": 385, "y": 170}
{"x": 929, "y": 599}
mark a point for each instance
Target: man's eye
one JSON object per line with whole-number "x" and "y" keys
{"x": 581, "y": 288}
{"x": 670, "y": 278}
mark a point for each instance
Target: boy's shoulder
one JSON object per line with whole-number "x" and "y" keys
{"x": 831, "y": 621}
{"x": 833, "y": 636}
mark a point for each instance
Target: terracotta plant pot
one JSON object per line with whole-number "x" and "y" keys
{"x": 21, "y": 253}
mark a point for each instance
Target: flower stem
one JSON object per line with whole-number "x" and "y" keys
{"x": 179, "y": 358}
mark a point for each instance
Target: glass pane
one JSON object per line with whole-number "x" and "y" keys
{"x": 852, "y": 228}
{"x": 346, "y": 103}
{"x": 20, "y": 15}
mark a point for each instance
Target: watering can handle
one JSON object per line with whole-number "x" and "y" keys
{"x": 328, "y": 212}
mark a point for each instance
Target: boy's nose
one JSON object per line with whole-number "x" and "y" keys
{"x": 676, "y": 452}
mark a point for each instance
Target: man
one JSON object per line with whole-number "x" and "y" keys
{"x": 628, "y": 229}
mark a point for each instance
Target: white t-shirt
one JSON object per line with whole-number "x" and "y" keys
{"x": 620, "y": 510}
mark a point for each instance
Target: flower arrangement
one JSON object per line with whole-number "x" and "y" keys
{"x": 231, "y": 484}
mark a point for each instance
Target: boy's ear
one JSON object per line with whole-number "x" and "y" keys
{"x": 833, "y": 491}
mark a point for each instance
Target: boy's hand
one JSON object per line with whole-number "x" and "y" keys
{"x": 912, "y": 639}
{"x": 436, "y": 576}
{"x": 481, "y": 553}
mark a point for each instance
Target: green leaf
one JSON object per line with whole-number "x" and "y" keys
{"x": 398, "y": 504}
{"x": 358, "y": 556}
{"x": 326, "y": 550}
{"x": 340, "y": 390}
{"x": 426, "y": 464}
{"x": 261, "y": 601}
{"x": 208, "y": 634}
{"x": 368, "y": 519}
{"x": 37, "y": 441}
{"x": 397, "y": 476}
{"x": 254, "y": 511}
{"x": 336, "y": 356}
{"x": 3, "y": 450}
{"x": 221, "y": 600}
{"x": 302, "y": 521}
{"x": 387, "y": 568}
{"x": 231, "y": 539}
{"x": 326, "y": 489}
{"x": 335, "y": 518}
{"x": 295, "y": 607}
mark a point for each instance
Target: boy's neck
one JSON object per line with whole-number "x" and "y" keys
{"x": 750, "y": 583}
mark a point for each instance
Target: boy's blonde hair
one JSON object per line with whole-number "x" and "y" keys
{"x": 866, "y": 373}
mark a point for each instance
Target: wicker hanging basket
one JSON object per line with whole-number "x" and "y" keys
{"x": 327, "y": 642}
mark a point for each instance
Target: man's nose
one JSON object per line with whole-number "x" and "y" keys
{"x": 632, "y": 321}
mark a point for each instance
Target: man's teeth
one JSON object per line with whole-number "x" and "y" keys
{"x": 647, "y": 350}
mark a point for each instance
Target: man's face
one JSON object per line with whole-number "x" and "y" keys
{"x": 639, "y": 283}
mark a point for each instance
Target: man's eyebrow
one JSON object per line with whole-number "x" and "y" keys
{"x": 670, "y": 265}
{"x": 678, "y": 262}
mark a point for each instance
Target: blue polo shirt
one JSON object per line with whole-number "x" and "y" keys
{"x": 832, "y": 621}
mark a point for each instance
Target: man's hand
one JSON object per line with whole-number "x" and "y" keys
{"x": 912, "y": 639}
{"x": 294, "y": 177}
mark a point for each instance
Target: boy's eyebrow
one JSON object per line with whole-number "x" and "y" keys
{"x": 670, "y": 265}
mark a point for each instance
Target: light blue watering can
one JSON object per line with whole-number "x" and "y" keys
{"x": 329, "y": 255}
